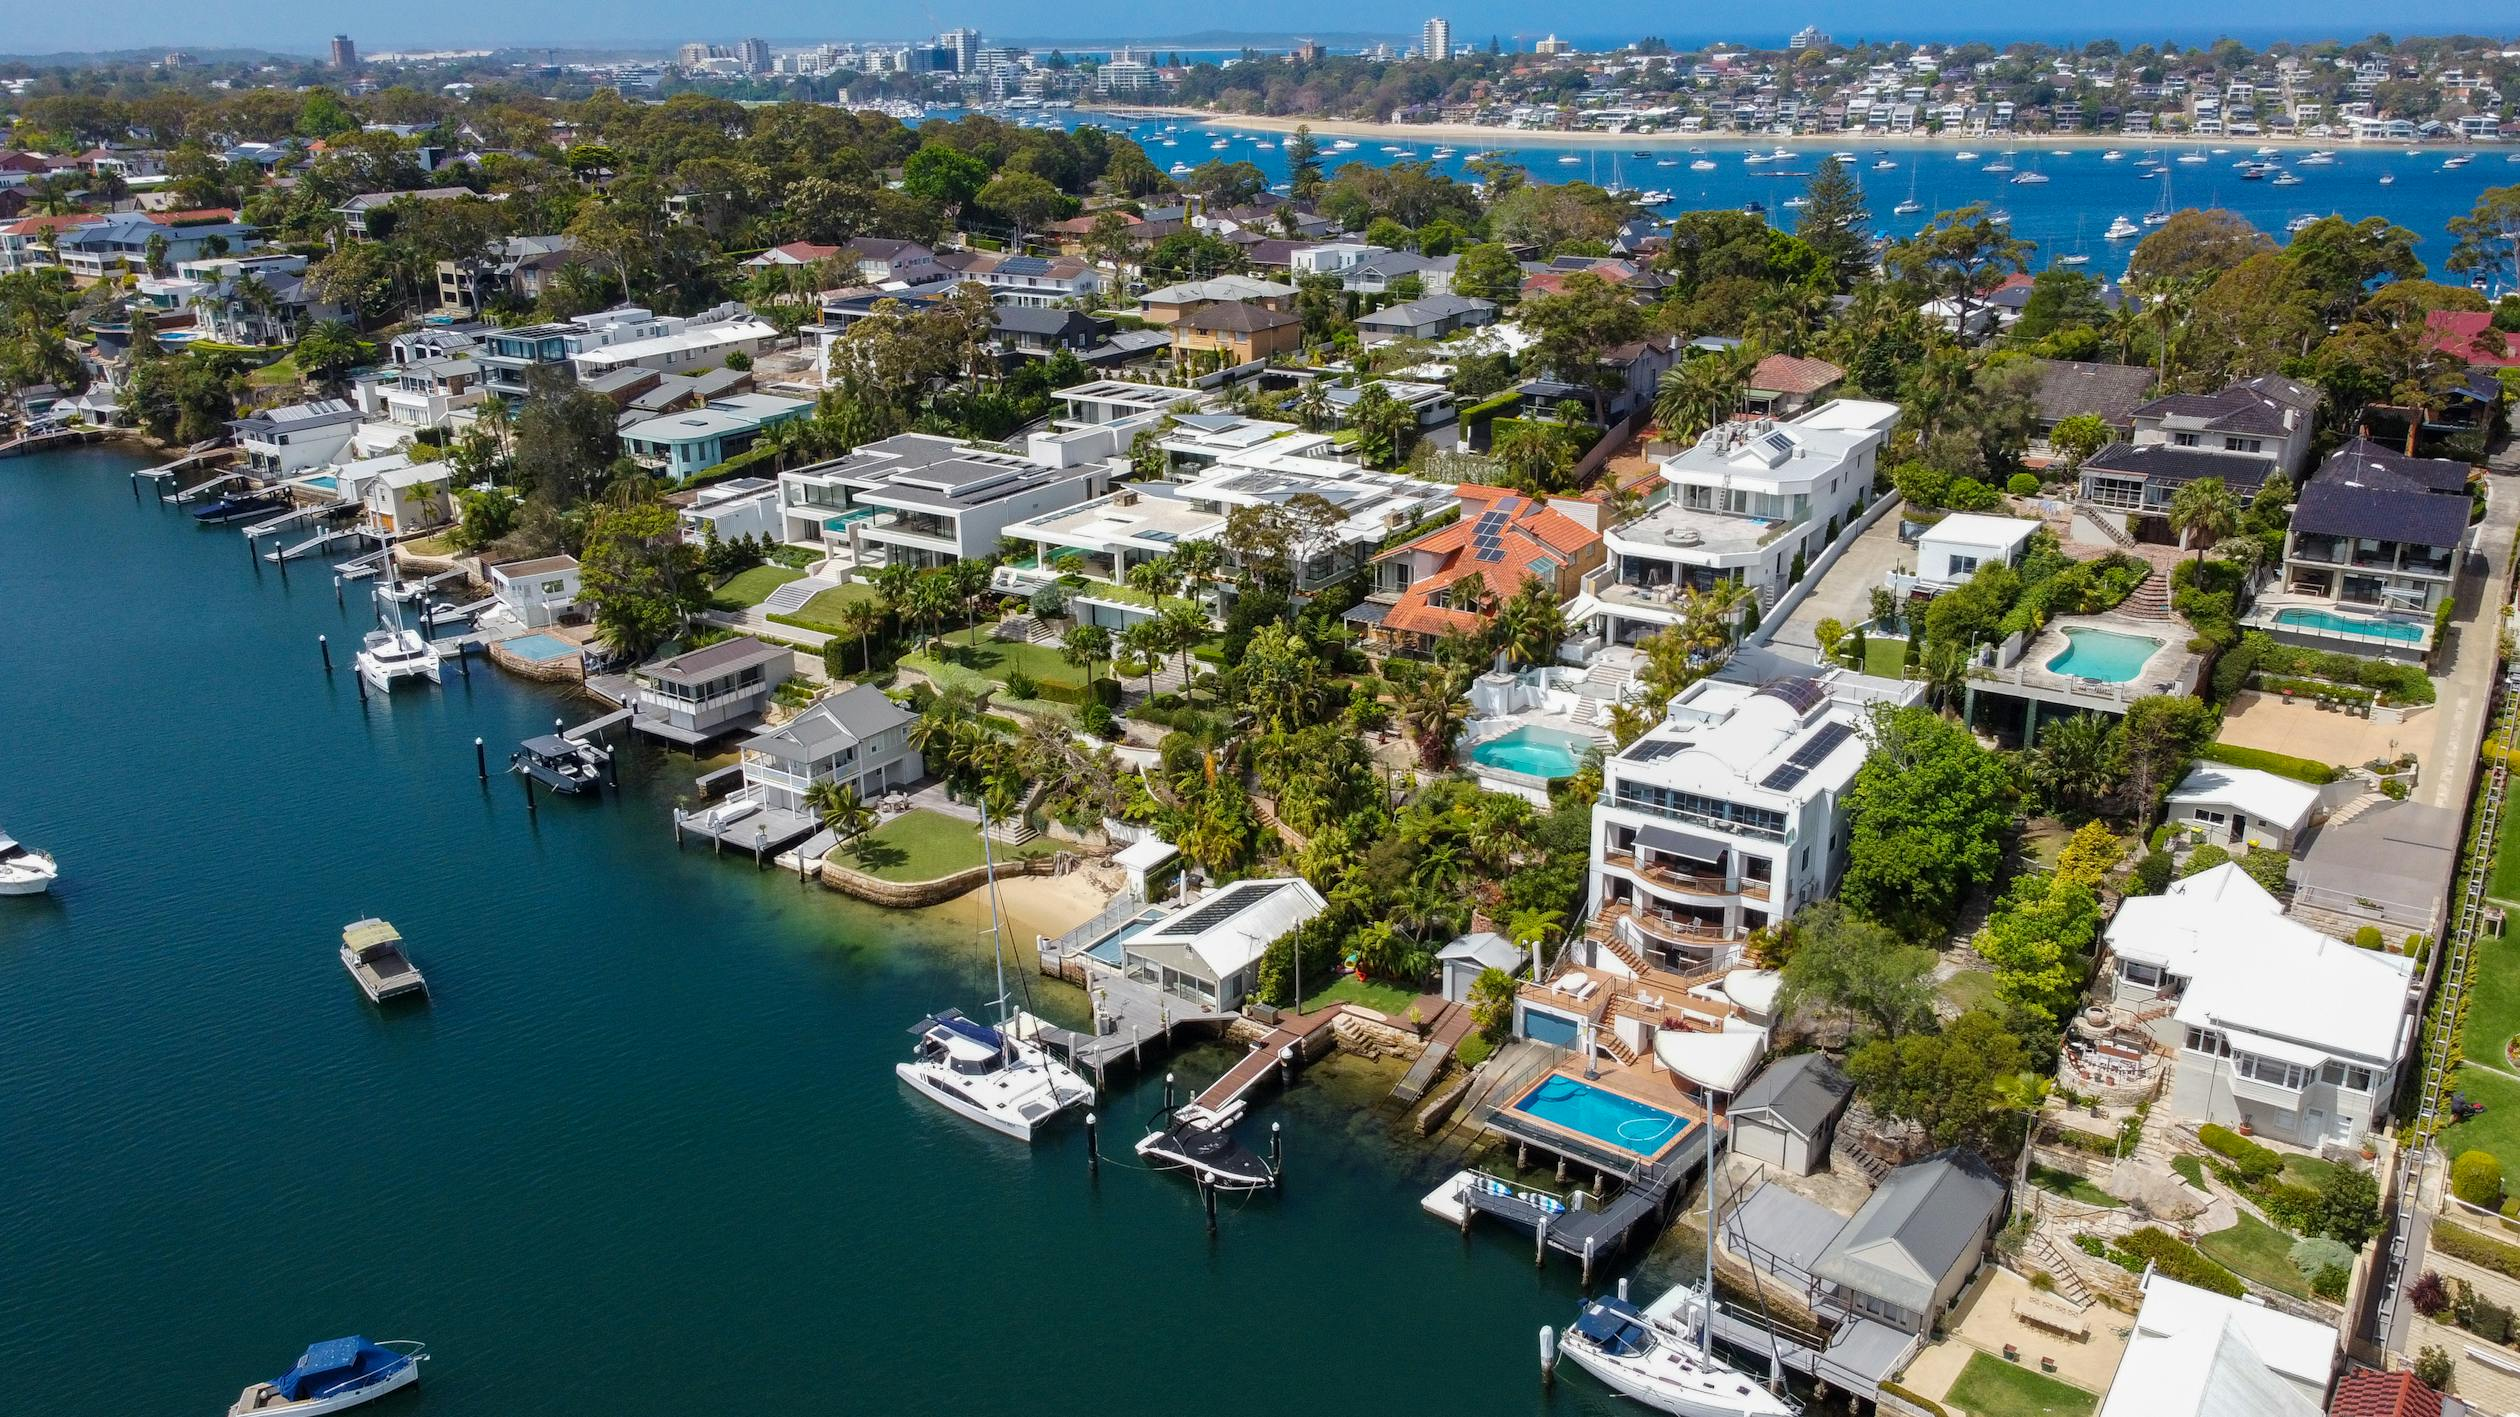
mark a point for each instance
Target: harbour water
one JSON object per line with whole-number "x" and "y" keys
{"x": 644, "y": 1149}
{"x": 2064, "y": 215}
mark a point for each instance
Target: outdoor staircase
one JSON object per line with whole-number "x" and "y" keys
{"x": 1622, "y": 951}
{"x": 2047, "y": 1255}
{"x": 2151, "y": 599}
{"x": 1026, "y": 629}
{"x": 2356, "y": 808}
{"x": 790, "y": 598}
{"x": 1608, "y": 1039}
{"x": 2115, "y": 531}
{"x": 1583, "y": 713}
{"x": 1606, "y": 681}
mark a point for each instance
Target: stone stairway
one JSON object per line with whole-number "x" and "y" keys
{"x": 2115, "y": 531}
{"x": 1026, "y": 629}
{"x": 2356, "y": 808}
{"x": 2150, "y": 600}
{"x": 790, "y": 598}
{"x": 1605, "y": 680}
{"x": 2047, "y": 1255}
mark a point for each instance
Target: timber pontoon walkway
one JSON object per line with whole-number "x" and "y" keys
{"x": 1130, "y": 1014}
{"x": 1287, "y": 1042}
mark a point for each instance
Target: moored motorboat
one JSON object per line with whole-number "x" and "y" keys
{"x": 1191, "y": 1138}
{"x": 372, "y": 950}
{"x": 238, "y": 507}
{"x": 561, "y": 764}
{"x": 334, "y": 1376}
{"x": 24, "y": 870}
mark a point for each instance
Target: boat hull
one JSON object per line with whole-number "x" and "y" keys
{"x": 403, "y": 1376}
{"x": 24, "y": 883}
{"x": 926, "y": 1086}
{"x": 1637, "y": 1387}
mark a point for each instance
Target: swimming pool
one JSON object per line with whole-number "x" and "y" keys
{"x": 2105, "y": 655}
{"x": 1113, "y": 949}
{"x": 1540, "y": 752}
{"x": 541, "y": 649}
{"x": 2329, "y": 622}
{"x": 1603, "y": 1115}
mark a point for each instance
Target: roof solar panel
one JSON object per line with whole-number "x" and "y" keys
{"x": 1219, "y": 908}
{"x": 1794, "y": 769}
{"x": 1646, "y": 750}
{"x": 1802, "y": 693}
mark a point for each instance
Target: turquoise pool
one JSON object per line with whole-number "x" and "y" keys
{"x": 1540, "y": 752}
{"x": 541, "y": 649}
{"x": 2105, "y": 655}
{"x": 1113, "y": 949}
{"x": 1603, "y": 1115}
{"x": 2329, "y": 622}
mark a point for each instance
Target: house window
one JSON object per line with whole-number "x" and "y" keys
{"x": 2183, "y": 440}
{"x": 553, "y": 587}
{"x": 2244, "y": 445}
{"x": 2138, "y": 972}
{"x": 2209, "y": 1042}
{"x": 2207, "y": 814}
{"x": 1963, "y": 565}
{"x": 2290, "y": 1076}
{"x": 2346, "y": 1076}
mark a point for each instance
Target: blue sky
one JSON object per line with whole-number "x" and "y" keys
{"x": 36, "y": 26}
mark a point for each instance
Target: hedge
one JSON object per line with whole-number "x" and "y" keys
{"x": 1915, "y": 1400}
{"x": 2185, "y": 1264}
{"x": 2461, "y": 1243}
{"x": 2477, "y": 1178}
{"x": 2076, "y": 1139}
{"x": 2256, "y": 1163}
{"x": 2280, "y": 764}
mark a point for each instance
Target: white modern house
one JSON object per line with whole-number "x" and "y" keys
{"x": 1208, "y": 951}
{"x": 295, "y": 438}
{"x": 539, "y": 592}
{"x": 922, "y": 500}
{"x": 734, "y": 509}
{"x": 1745, "y": 500}
{"x": 856, "y": 737}
{"x": 2240, "y": 809}
{"x": 696, "y": 346}
{"x": 1729, "y": 814}
{"x": 2279, "y": 1028}
{"x": 1951, "y": 550}
{"x": 2193, "y": 1351}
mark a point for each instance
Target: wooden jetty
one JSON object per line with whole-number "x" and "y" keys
{"x": 59, "y": 437}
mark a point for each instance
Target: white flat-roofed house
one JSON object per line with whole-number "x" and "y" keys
{"x": 1744, "y": 501}
{"x": 699, "y": 346}
{"x": 421, "y": 395}
{"x": 2195, "y": 1353}
{"x": 2278, "y": 1027}
{"x": 1952, "y": 549}
{"x": 734, "y": 509}
{"x": 855, "y": 737}
{"x": 1728, "y": 816}
{"x": 540, "y": 592}
{"x": 1115, "y": 400}
{"x": 295, "y": 438}
{"x": 695, "y": 440}
{"x": 1208, "y": 951}
{"x": 921, "y": 500}
{"x": 2243, "y": 808}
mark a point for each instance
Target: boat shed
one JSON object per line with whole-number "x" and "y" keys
{"x": 1917, "y": 1241}
{"x": 1788, "y": 1115}
{"x": 1465, "y": 959}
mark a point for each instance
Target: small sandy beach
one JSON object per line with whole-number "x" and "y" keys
{"x": 1034, "y": 905}
{"x": 1485, "y": 135}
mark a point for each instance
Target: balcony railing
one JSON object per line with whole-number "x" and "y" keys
{"x": 1691, "y": 882}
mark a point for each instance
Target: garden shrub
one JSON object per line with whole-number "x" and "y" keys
{"x": 2329, "y": 1283}
{"x": 2477, "y": 1178}
{"x": 2254, "y": 1162}
{"x": 2296, "y": 1208}
{"x": 2461, "y": 1243}
{"x": 2023, "y": 484}
{"x": 2182, "y": 1262}
{"x": 2280, "y": 764}
{"x": 1022, "y": 685}
{"x": 2153, "y": 873}
{"x": 2369, "y": 937}
{"x": 2317, "y": 1253}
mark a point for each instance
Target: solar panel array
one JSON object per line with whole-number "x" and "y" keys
{"x": 1794, "y": 769}
{"x": 1024, "y": 266}
{"x": 1218, "y": 909}
{"x": 1646, "y": 750}
{"x": 1487, "y": 536}
{"x": 1804, "y": 694}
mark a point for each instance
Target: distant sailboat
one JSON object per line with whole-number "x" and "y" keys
{"x": 1911, "y": 206}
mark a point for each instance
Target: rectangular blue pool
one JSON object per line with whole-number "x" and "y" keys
{"x": 540, "y": 648}
{"x": 1603, "y": 1115}
{"x": 1113, "y": 949}
{"x": 2402, "y": 632}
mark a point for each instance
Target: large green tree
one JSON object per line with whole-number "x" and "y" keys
{"x": 1962, "y": 1086}
{"x": 1835, "y": 223}
{"x": 641, "y": 580}
{"x": 1841, "y": 961}
{"x": 1927, "y": 816}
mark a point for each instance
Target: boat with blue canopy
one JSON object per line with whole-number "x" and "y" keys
{"x": 335, "y": 1375}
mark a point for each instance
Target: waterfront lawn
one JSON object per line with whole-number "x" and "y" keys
{"x": 1991, "y": 1387}
{"x": 1373, "y": 994}
{"x": 823, "y": 611}
{"x": 920, "y": 845}
{"x": 2072, "y": 1187}
{"x": 750, "y": 588}
{"x": 1000, "y": 659}
{"x": 2498, "y": 1129}
{"x": 2258, "y": 1253}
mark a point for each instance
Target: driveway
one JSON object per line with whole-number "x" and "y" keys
{"x": 2466, "y": 686}
{"x": 1845, "y": 593}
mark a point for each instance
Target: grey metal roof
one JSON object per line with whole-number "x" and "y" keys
{"x": 2169, "y": 463}
{"x": 1922, "y": 1224}
{"x": 2112, "y": 391}
{"x": 1800, "y": 1093}
{"x": 2364, "y": 461}
{"x": 2330, "y": 508}
{"x": 1486, "y": 948}
{"x": 854, "y": 715}
{"x": 1423, "y": 311}
{"x": 710, "y": 661}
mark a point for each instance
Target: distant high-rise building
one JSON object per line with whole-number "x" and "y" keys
{"x": 1435, "y": 40}
{"x": 964, "y": 45}
{"x": 1553, "y": 45}
{"x": 1808, "y": 37}
{"x": 1307, "y": 51}
{"x": 345, "y": 55}
{"x": 692, "y": 56}
{"x": 755, "y": 54}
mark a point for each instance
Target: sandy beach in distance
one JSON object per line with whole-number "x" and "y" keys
{"x": 1483, "y": 135}
{"x": 1034, "y": 905}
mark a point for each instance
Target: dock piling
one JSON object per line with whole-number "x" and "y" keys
{"x": 761, "y": 842}
{"x": 1207, "y": 1199}
{"x": 1168, "y": 1086}
{"x": 481, "y": 760}
{"x": 1623, "y": 1298}
{"x": 337, "y": 600}
{"x": 1093, "y": 1149}
{"x": 361, "y": 679}
{"x": 1548, "y": 1355}
{"x": 1588, "y": 1259}
{"x": 1277, "y": 1151}
{"x": 527, "y": 779}
{"x": 612, "y": 768}
{"x": 324, "y": 646}
{"x": 1540, "y": 1244}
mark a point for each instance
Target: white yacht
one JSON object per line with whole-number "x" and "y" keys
{"x": 988, "y": 1075}
{"x": 1703, "y": 164}
{"x": 390, "y": 655}
{"x": 1883, "y": 164}
{"x": 2113, "y": 155}
{"x": 24, "y": 870}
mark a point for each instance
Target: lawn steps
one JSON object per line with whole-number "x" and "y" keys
{"x": 790, "y": 598}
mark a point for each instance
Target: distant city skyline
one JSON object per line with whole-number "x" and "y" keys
{"x": 303, "y": 26}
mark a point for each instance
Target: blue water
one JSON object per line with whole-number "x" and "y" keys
{"x": 1603, "y": 1115}
{"x": 2104, "y": 655}
{"x": 2063, "y": 215}
{"x": 646, "y": 1139}
{"x": 2395, "y": 631}
{"x": 540, "y": 648}
{"x": 1541, "y": 752}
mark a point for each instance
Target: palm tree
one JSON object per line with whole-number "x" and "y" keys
{"x": 1534, "y": 454}
{"x": 1184, "y": 627}
{"x": 932, "y": 599}
{"x": 1152, "y": 578}
{"x": 1083, "y": 645}
{"x": 2168, "y": 302}
{"x": 1146, "y": 642}
{"x": 1533, "y": 625}
{"x": 1434, "y": 712}
{"x": 2206, "y": 510}
{"x": 859, "y": 618}
{"x": 2073, "y": 762}
{"x": 837, "y": 807}
{"x": 1946, "y": 668}
{"x": 1627, "y": 723}
{"x": 1702, "y": 391}
{"x": 1197, "y": 563}
{"x": 969, "y": 580}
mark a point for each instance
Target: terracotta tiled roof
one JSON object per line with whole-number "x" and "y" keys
{"x": 1532, "y": 531}
{"x": 2470, "y": 335}
{"x": 1786, "y": 374}
{"x": 2368, "y": 1394}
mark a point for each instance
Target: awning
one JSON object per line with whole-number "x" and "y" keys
{"x": 1718, "y": 1061}
{"x": 1582, "y": 608}
{"x": 1671, "y": 841}
{"x": 1754, "y": 989}
{"x": 1366, "y": 612}
{"x": 2277, "y": 1049}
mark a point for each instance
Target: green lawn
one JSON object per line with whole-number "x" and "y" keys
{"x": 750, "y": 588}
{"x": 2493, "y": 995}
{"x": 1120, "y": 594}
{"x": 2191, "y": 1169}
{"x": 2309, "y": 1171}
{"x": 2072, "y": 1187}
{"x": 1991, "y": 1387}
{"x": 920, "y": 845}
{"x": 823, "y": 611}
{"x": 1885, "y": 658}
{"x": 1382, "y": 998}
{"x": 2257, "y": 1252}
{"x": 2506, "y": 882}
{"x": 1970, "y": 988}
{"x": 2498, "y": 1130}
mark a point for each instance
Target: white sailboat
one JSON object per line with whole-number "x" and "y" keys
{"x": 1911, "y": 206}
{"x": 2160, "y": 214}
{"x": 984, "y": 1074}
{"x": 393, "y": 652}
{"x": 1663, "y": 1355}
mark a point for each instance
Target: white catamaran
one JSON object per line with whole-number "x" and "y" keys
{"x": 989, "y": 1075}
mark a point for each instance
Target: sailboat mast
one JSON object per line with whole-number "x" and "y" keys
{"x": 1706, "y": 1311}
{"x": 997, "y": 933}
